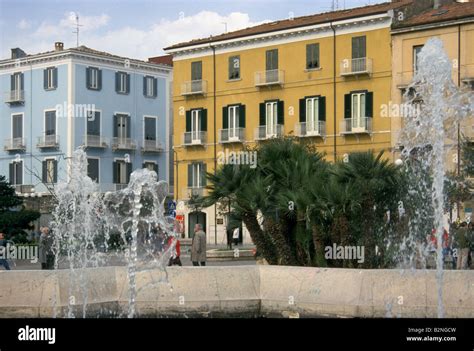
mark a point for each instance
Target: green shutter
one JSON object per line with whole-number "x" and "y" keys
{"x": 45, "y": 79}
{"x": 225, "y": 117}
{"x": 88, "y": 77}
{"x": 369, "y": 104}
{"x": 241, "y": 116}
{"x": 45, "y": 171}
{"x": 55, "y": 77}
{"x": 127, "y": 77}
{"x": 203, "y": 174}
{"x": 348, "y": 106}
{"x": 12, "y": 173}
{"x": 302, "y": 110}
{"x": 115, "y": 121}
{"x": 281, "y": 112}
{"x": 129, "y": 126}
{"x": 144, "y": 86}
{"x": 115, "y": 172}
{"x": 55, "y": 171}
{"x": 190, "y": 175}
{"x": 188, "y": 121}
{"x": 155, "y": 87}
{"x": 99, "y": 79}
{"x": 117, "y": 82}
{"x": 204, "y": 120}
{"x": 263, "y": 117}
{"x": 322, "y": 108}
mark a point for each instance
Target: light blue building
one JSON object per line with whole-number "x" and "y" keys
{"x": 57, "y": 101}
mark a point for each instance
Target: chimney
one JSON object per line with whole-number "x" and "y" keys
{"x": 18, "y": 53}
{"x": 58, "y": 46}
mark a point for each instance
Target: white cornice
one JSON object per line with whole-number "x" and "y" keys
{"x": 283, "y": 36}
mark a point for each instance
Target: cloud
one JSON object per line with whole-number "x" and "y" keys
{"x": 23, "y": 24}
{"x": 131, "y": 41}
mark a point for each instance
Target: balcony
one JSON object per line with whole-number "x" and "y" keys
{"x": 236, "y": 135}
{"x": 15, "y": 144}
{"x": 95, "y": 141}
{"x": 194, "y": 138}
{"x": 123, "y": 144}
{"x": 356, "y": 126}
{"x": 152, "y": 146}
{"x": 24, "y": 189}
{"x": 193, "y": 192}
{"x": 356, "y": 67}
{"x": 194, "y": 87}
{"x": 269, "y": 78}
{"x": 268, "y": 132}
{"x": 306, "y": 130}
{"x": 14, "y": 97}
{"x": 48, "y": 142}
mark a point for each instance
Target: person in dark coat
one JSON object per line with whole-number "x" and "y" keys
{"x": 198, "y": 247}
{"x": 46, "y": 255}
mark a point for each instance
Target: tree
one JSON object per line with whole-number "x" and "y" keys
{"x": 14, "y": 218}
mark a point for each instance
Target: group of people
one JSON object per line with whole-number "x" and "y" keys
{"x": 457, "y": 245}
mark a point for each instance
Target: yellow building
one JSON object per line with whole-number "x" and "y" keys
{"x": 322, "y": 78}
{"x": 453, "y": 23}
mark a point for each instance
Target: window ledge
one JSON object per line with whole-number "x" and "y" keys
{"x": 50, "y": 89}
{"x": 313, "y": 69}
{"x": 234, "y": 80}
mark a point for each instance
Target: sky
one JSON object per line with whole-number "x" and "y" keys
{"x": 139, "y": 28}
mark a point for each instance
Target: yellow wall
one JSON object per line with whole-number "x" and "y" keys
{"x": 298, "y": 84}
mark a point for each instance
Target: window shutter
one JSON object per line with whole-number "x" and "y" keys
{"x": 281, "y": 112}
{"x": 99, "y": 79}
{"x": 144, "y": 86}
{"x": 45, "y": 79}
{"x": 55, "y": 171}
{"x": 55, "y": 77}
{"x": 127, "y": 79}
{"x": 155, "y": 168}
{"x": 115, "y": 126}
{"x": 225, "y": 117}
{"x": 12, "y": 173}
{"x": 203, "y": 174}
{"x": 129, "y": 126}
{"x": 188, "y": 121}
{"x": 88, "y": 77}
{"x": 241, "y": 116}
{"x": 155, "y": 87}
{"x": 303, "y": 110}
{"x": 129, "y": 171}
{"x": 263, "y": 119}
{"x": 204, "y": 120}
{"x": 117, "y": 82}
{"x": 22, "y": 81}
{"x": 322, "y": 108}
{"x": 369, "y": 104}
{"x": 19, "y": 173}
{"x": 231, "y": 67}
{"x": 45, "y": 171}
{"x": 348, "y": 106}
{"x": 190, "y": 175}
{"x": 115, "y": 172}
{"x": 12, "y": 82}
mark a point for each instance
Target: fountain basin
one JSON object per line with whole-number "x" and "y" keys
{"x": 245, "y": 291}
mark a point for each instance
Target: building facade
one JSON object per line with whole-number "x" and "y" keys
{"x": 55, "y": 102}
{"x": 321, "y": 78}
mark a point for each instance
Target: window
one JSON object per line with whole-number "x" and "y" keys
{"x": 150, "y": 128}
{"x": 150, "y": 86}
{"x": 16, "y": 86}
{"x": 50, "y": 171}
{"x": 234, "y": 67}
{"x": 50, "y": 123}
{"x": 271, "y": 118}
{"x": 93, "y": 78}
{"x": 196, "y": 116}
{"x": 416, "y": 50}
{"x": 151, "y": 166}
{"x": 93, "y": 123}
{"x": 122, "y": 171}
{"x": 359, "y": 50}
{"x": 197, "y": 175}
{"x": 50, "y": 79}
{"x": 312, "y": 114}
{"x": 196, "y": 125}
{"x": 16, "y": 173}
{"x": 233, "y": 121}
{"x": 312, "y": 56}
{"x": 17, "y": 127}
{"x": 359, "y": 107}
{"x": 271, "y": 60}
{"x": 93, "y": 169}
{"x": 122, "y": 83}
{"x": 196, "y": 70}
{"x": 122, "y": 126}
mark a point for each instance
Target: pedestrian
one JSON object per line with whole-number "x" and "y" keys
{"x": 3, "y": 246}
{"x": 198, "y": 247}
{"x": 46, "y": 249}
{"x": 176, "y": 251}
{"x": 236, "y": 236}
{"x": 462, "y": 243}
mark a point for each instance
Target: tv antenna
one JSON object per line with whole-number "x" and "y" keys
{"x": 75, "y": 17}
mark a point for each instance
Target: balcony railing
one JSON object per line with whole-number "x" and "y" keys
{"x": 193, "y": 192}
{"x": 48, "y": 141}
{"x": 272, "y": 77}
{"x": 95, "y": 141}
{"x": 357, "y": 126}
{"x": 15, "y": 144}
{"x": 235, "y": 135}
{"x": 194, "y": 87}
{"x": 152, "y": 146}
{"x": 123, "y": 144}
{"x": 358, "y": 66}
{"x": 194, "y": 138}
{"x": 268, "y": 132}
{"x": 15, "y": 97}
{"x": 309, "y": 130}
